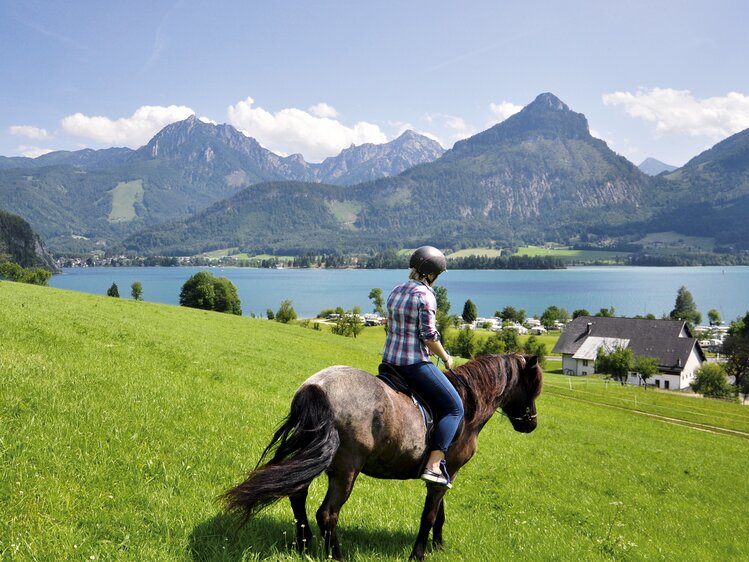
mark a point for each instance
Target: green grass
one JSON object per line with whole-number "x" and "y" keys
{"x": 124, "y": 197}
{"x": 669, "y": 241}
{"x": 345, "y": 212}
{"x": 569, "y": 254}
{"x": 121, "y": 421}
{"x": 488, "y": 252}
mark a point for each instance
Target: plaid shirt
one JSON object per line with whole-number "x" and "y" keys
{"x": 412, "y": 318}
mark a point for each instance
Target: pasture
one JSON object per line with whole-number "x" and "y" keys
{"x": 121, "y": 421}
{"x": 570, "y": 255}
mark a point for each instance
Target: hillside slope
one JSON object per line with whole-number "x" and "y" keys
{"x": 89, "y": 199}
{"x": 21, "y": 245}
{"x": 121, "y": 421}
{"x": 537, "y": 176}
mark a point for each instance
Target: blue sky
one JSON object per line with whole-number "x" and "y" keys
{"x": 661, "y": 79}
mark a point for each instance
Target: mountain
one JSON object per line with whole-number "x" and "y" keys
{"x": 21, "y": 245}
{"x": 653, "y": 167}
{"x": 89, "y": 199}
{"x": 367, "y": 162}
{"x": 537, "y": 175}
{"x": 710, "y": 194}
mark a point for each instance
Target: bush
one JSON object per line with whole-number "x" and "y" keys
{"x": 285, "y": 312}
{"x": 113, "y": 291}
{"x": 206, "y": 292}
{"x": 348, "y": 325}
{"x": 711, "y": 381}
{"x": 617, "y": 363}
{"x": 136, "y": 290}
{"x": 465, "y": 344}
{"x": 14, "y": 272}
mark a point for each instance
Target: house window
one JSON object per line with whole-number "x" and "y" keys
{"x": 665, "y": 384}
{"x": 585, "y": 362}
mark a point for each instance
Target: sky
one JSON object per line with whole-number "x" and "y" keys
{"x": 661, "y": 79}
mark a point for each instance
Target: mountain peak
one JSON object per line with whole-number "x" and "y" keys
{"x": 547, "y": 101}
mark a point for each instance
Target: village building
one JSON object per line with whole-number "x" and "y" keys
{"x": 668, "y": 341}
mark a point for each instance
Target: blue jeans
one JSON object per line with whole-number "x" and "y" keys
{"x": 432, "y": 385}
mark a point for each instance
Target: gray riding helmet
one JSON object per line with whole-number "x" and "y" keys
{"x": 428, "y": 259}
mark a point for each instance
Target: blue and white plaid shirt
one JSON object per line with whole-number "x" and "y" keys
{"x": 412, "y": 319}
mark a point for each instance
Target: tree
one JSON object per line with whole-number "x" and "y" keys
{"x": 554, "y": 314}
{"x": 736, "y": 350}
{"x": 493, "y": 345}
{"x": 226, "y": 297}
{"x": 606, "y": 312}
{"x": 510, "y": 339}
{"x": 348, "y": 325}
{"x": 465, "y": 344}
{"x": 207, "y": 292}
{"x": 617, "y": 362}
{"x": 710, "y": 381}
{"x": 535, "y": 347}
{"x": 685, "y": 308}
{"x": 580, "y": 312}
{"x": 285, "y": 312}
{"x": 645, "y": 367}
{"x": 511, "y": 314}
{"x": 270, "y": 314}
{"x": 443, "y": 304}
{"x": 113, "y": 291}
{"x": 375, "y": 295}
{"x": 714, "y": 317}
{"x": 136, "y": 290}
{"x": 469, "y": 312}
{"x": 14, "y": 272}
{"x": 198, "y": 291}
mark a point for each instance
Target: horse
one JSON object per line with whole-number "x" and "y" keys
{"x": 344, "y": 421}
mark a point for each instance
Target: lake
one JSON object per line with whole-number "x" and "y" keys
{"x": 630, "y": 290}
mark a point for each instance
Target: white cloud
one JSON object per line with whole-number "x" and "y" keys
{"x": 33, "y": 151}
{"x": 29, "y": 132}
{"x": 294, "y": 130}
{"x": 322, "y": 109}
{"x": 504, "y": 110}
{"x": 678, "y": 111}
{"x": 449, "y": 128}
{"x": 134, "y": 131}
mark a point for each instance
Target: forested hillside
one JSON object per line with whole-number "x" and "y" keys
{"x": 21, "y": 245}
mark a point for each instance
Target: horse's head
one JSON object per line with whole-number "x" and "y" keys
{"x": 520, "y": 406}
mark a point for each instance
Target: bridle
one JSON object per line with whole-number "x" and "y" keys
{"x": 527, "y": 417}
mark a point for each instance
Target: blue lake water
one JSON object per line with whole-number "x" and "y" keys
{"x": 630, "y": 290}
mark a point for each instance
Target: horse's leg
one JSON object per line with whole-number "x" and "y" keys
{"x": 303, "y": 532}
{"x": 428, "y": 517}
{"x": 340, "y": 484}
{"x": 439, "y": 522}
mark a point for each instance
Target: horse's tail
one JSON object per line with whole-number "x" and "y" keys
{"x": 304, "y": 444}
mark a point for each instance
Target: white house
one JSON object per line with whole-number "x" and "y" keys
{"x": 668, "y": 341}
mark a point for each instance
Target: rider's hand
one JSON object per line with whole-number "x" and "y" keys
{"x": 449, "y": 362}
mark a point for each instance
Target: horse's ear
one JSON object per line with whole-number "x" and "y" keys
{"x": 531, "y": 361}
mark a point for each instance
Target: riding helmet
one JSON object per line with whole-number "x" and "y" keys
{"x": 428, "y": 259}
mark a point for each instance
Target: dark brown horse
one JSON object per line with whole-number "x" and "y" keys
{"x": 345, "y": 421}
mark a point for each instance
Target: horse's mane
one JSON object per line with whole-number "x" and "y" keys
{"x": 483, "y": 382}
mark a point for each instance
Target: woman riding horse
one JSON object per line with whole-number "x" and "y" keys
{"x": 343, "y": 421}
{"x": 412, "y": 337}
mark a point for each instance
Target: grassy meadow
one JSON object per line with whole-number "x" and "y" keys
{"x": 570, "y": 255}
{"x": 121, "y": 421}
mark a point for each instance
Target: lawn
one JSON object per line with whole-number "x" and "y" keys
{"x": 122, "y": 421}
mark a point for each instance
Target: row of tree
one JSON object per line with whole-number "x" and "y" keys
{"x": 13, "y": 272}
